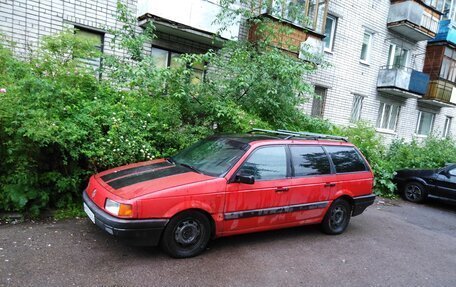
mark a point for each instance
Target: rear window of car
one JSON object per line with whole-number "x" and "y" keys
{"x": 309, "y": 160}
{"x": 346, "y": 159}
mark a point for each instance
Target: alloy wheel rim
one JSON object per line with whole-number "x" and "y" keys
{"x": 187, "y": 232}
{"x": 413, "y": 192}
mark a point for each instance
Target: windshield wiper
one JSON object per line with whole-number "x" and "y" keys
{"x": 191, "y": 167}
{"x": 170, "y": 160}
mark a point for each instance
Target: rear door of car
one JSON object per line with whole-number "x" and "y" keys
{"x": 353, "y": 176}
{"x": 312, "y": 182}
{"x": 259, "y": 205}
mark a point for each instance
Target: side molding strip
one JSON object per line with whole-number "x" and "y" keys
{"x": 274, "y": 210}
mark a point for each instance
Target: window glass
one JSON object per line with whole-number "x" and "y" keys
{"x": 447, "y": 127}
{"x": 212, "y": 156}
{"x": 160, "y": 57}
{"x": 356, "y": 108}
{"x": 96, "y": 38}
{"x": 388, "y": 116}
{"x": 425, "y": 123}
{"x": 309, "y": 160}
{"x": 365, "y": 48}
{"x": 330, "y": 30}
{"x": 452, "y": 172}
{"x": 397, "y": 57}
{"x": 346, "y": 159}
{"x": 318, "y": 102}
{"x": 266, "y": 163}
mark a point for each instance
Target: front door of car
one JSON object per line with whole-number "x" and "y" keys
{"x": 261, "y": 204}
{"x": 446, "y": 183}
{"x": 312, "y": 183}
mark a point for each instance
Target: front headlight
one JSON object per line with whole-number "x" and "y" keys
{"x": 118, "y": 209}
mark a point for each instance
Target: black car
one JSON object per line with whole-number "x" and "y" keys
{"x": 416, "y": 184}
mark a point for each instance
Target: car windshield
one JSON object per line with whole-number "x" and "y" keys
{"x": 213, "y": 156}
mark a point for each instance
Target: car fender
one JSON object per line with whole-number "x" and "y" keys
{"x": 189, "y": 204}
{"x": 418, "y": 179}
{"x": 342, "y": 192}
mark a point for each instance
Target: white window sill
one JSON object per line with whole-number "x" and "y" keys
{"x": 365, "y": 63}
{"x": 385, "y": 131}
{"x": 328, "y": 51}
{"x": 420, "y": 136}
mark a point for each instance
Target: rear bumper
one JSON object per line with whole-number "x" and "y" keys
{"x": 360, "y": 203}
{"x": 145, "y": 232}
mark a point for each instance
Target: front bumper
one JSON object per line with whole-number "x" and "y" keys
{"x": 360, "y": 203}
{"x": 142, "y": 232}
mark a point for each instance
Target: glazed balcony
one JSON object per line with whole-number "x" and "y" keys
{"x": 446, "y": 32}
{"x": 441, "y": 93}
{"x": 402, "y": 81}
{"x": 413, "y": 20}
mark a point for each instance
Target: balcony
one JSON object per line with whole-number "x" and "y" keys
{"x": 190, "y": 19}
{"x": 446, "y": 32}
{"x": 403, "y": 82}
{"x": 441, "y": 94}
{"x": 413, "y": 20}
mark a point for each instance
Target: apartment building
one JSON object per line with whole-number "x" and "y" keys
{"x": 392, "y": 63}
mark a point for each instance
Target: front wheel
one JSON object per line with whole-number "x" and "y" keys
{"x": 414, "y": 192}
{"x": 337, "y": 217}
{"x": 186, "y": 235}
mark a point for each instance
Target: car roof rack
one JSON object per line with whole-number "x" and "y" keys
{"x": 306, "y": 135}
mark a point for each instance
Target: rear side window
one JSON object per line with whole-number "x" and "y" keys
{"x": 266, "y": 164}
{"x": 346, "y": 159}
{"x": 309, "y": 160}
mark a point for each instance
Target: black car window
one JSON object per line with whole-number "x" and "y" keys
{"x": 309, "y": 160}
{"x": 346, "y": 159}
{"x": 266, "y": 163}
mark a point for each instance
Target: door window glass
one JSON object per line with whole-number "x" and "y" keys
{"x": 346, "y": 159}
{"x": 266, "y": 163}
{"x": 309, "y": 160}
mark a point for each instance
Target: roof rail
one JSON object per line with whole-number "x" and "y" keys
{"x": 316, "y": 136}
{"x": 278, "y": 132}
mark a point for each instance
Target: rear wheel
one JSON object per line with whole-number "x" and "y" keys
{"x": 186, "y": 234}
{"x": 337, "y": 217}
{"x": 414, "y": 192}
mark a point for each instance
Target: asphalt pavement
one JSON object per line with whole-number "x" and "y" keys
{"x": 394, "y": 243}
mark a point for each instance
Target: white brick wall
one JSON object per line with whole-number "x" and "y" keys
{"x": 347, "y": 76}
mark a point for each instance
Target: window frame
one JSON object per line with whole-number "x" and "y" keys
{"x": 447, "y": 127}
{"x": 420, "y": 115}
{"x": 287, "y": 158}
{"x": 392, "y": 55}
{"x": 293, "y": 172}
{"x": 352, "y": 119}
{"x": 102, "y": 35}
{"x": 369, "y": 47}
{"x": 332, "y": 35}
{"x": 321, "y": 101}
{"x": 379, "y": 122}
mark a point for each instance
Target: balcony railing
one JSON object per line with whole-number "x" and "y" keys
{"x": 410, "y": 19}
{"x": 402, "y": 81}
{"x": 441, "y": 93}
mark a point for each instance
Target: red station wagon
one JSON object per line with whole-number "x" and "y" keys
{"x": 232, "y": 184}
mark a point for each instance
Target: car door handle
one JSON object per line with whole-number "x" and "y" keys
{"x": 282, "y": 189}
{"x": 330, "y": 184}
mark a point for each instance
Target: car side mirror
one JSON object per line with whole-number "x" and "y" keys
{"x": 245, "y": 179}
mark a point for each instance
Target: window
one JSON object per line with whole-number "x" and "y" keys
{"x": 397, "y": 57}
{"x": 366, "y": 47}
{"x": 448, "y": 69}
{"x": 388, "y": 116}
{"x": 346, "y": 159}
{"x": 309, "y": 160}
{"x": 447, "y": 127}
{"x": 318, "y": 102}
{"x": 266, "y": 164}
{"x": 452, "y": 172}
{"x": 164, "y": 58}
{"x": 95, "y": 37}
{"x": 425, "y": 123}
{"x": 330, "y": 31}
{"x": 356, "y": 108}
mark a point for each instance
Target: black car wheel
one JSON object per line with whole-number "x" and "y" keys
{"x": 337, "y": 217}
{"x": 186, "y": 235}
{"x": 414, "y": 192}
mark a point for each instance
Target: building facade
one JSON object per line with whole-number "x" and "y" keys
{"x": 391, "y": 63}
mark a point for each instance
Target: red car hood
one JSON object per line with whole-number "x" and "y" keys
{"x": 138, "y": 179}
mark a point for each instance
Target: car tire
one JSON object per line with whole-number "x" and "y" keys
{"x": 186, "y": 235}
{"x": 414, "y": 192}
{"x": 337, "y": 217}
